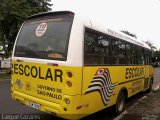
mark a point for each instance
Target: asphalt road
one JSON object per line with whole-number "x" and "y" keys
{"x": 8, "y": 106}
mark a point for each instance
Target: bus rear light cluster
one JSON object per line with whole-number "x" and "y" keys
{"x": 22, "y": 103}
{"x": 69, "y": 84}
{"x": 67, "y": 101}
{"x": 65, "y": 109}
{"x": 53, "y": 113}
{"x": 69, "y": 74}
{"x": 79, "y": 107}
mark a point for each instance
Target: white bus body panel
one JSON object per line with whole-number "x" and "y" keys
{"x": 75, "y": 46}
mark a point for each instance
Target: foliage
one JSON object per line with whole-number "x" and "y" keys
{"x": 12, "y": 15}
{"x": 156, "y": 53}
{"x": 150, "y": 44}
{"x": 156, "y": 56}
{"x": 128, "y": 33}
{"x": 5, "y": 75}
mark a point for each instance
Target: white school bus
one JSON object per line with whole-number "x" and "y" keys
{"x": 69, "y": 66}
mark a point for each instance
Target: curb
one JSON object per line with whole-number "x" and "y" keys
{"x": 119, "y": 117}
{"x": 156, "y": 88}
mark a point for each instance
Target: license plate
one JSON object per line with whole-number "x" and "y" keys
{"x": 34, "y": 105}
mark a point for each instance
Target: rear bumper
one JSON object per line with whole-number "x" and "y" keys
{"x": 51, "y": 107}
{"x": 45, "y": 106}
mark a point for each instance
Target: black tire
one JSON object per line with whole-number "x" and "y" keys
{"x": 150, "y": 87}
{"x": 120, "y": 104}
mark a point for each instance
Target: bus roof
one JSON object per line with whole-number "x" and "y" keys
{"x": 48, "y": 13}
{"x": 118, "y": 34}
{"x": 96, "y": 26}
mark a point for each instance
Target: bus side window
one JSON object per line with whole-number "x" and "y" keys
{"x": 118, "y": 52}
{"x": 103, "y": 45}
{"x": 122, "y": 53}
{"x": 128, "y": 54}
{"x": 140, "y": 55}
{"x": 148, "y": 57}
{"x": 96, "y": 48}
{"x": 114, "y": 51}
{"x": 90, "y": 56}
{"x": 134, "y": 54}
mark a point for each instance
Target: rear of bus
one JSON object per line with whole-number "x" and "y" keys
{"x": 46, "y": 64}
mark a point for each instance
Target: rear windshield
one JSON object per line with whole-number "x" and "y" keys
{"x": 45, "y": 37}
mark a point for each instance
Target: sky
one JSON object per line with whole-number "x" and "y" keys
{"x": 140, "y": 17}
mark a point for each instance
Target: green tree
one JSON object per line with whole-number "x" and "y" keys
{"x": 12, "y": 15}
{"x": 156, "y": 53}
{"x": 156, "y": 56}
{"x": 150, "y": 44}
{"x": 128, "y": 33}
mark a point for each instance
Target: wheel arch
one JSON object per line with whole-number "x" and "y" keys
{"x": 125, "y": 91}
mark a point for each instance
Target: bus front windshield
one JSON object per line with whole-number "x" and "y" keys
{"x": 45, "y": 37}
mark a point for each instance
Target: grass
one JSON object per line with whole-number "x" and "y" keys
{"x": 4, "y": 75}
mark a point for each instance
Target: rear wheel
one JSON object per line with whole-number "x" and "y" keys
{"x": 120, "y": 104}
{"x": 150, "y": 86}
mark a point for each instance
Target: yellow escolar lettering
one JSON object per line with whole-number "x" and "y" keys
{"x": 36, "y": 72}
{"x": 134, "y": 72}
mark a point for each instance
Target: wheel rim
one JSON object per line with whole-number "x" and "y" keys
{"x": 121, "y": 104}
